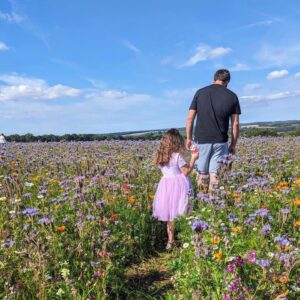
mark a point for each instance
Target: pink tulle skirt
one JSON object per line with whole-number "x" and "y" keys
{"x": 172, "y": 197}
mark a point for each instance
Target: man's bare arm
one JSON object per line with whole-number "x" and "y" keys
{"x": 235, "y": 128}
{"x": 189, "y": 127}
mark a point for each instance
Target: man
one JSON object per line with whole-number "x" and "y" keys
{"x": 214, "y": 105}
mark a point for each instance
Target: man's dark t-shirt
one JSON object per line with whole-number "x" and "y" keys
{"x": 214, "y": 105}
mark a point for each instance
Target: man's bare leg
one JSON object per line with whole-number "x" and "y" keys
{"x": 213, "y": 181}
{"x": 203, "y": 183}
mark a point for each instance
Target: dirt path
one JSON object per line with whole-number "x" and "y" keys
{"x": 151, "y": 278}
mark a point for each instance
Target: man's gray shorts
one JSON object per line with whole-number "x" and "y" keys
{"x": 209, "y": 154}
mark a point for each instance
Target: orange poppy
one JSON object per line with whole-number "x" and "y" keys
{"x": 60, "y": 228}
{"x": 114, "y": 217}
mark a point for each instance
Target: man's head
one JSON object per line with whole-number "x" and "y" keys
{"x": 222, "y": 77}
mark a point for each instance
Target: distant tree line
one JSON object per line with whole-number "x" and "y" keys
{"x": 156, "y": 135}
{"x": 78, "y": 137}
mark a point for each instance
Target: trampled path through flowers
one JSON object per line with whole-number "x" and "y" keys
{"x": 150, "y": 278}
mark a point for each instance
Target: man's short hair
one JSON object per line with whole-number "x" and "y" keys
{"x": 223, "y": 75}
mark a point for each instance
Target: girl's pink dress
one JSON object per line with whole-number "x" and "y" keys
{"x": 173, "y": 192}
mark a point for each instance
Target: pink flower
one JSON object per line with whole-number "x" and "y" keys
{"x": 251, "y": 256}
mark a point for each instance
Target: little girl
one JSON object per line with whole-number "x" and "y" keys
{"x": 174, "y": 189}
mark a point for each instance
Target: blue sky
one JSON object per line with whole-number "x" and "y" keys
{"x": 104, "y": 66}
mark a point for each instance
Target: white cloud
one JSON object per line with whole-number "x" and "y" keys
{"x": 113, "y": 94}
{"x": 23, "y": 88}
{"x": 240, "y": 67}
{"x": 274, "y": 56}
{"x": 11, "y": 17}
{"x": 204, "y": 52}
{"x": 297, "y": 75}
{"x": 259, "y": 23}
{"x": 113, "y": 100}
{"x": 3, "y": 47}
{"x": 277, "y": 74}
{"x": 275, "y": 96}
{"x": 131, "y": 47}
{"x": 252, "y": 87}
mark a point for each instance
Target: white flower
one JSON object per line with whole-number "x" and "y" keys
{"x": 60, "y": 292}
{"x": 65, "y": 273}
{"x": 254, "y": 229}
{"x": 40, "y": 196}
{"x": 29, "y": 184}
{"x": 2, "y": 198}
{"x": 185, "y": 245}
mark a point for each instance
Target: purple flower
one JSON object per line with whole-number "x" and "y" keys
{"x": 199, "y": 226}
{"x": 265, "y": 229}
{"x": 45, "y": 220}
{"x": 282, "y": 241}
{"x": 90, "y": 217}
{"x": 285, "y": 211}
{"x": 239, "y": 261}
{"x": 100, "y": 203}
{"x": 8, "y": 244}
{"x": 43, "y": 192}
{"x": 233, "y": 218}
{"x": 30, "y": 212}
{"x": 79, "y": 213}
{"x": 265, "y": 263}
{"x": 27, "y": 195}
{"x": 231, "y": 267}
{"x": 262, "y": 212}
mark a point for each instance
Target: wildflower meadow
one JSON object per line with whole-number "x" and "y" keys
{"x": 75, "y": 217}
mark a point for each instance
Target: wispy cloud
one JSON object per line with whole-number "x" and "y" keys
{"x": 258, "y": 24}
{"x": 277, "y": 74}
{"x": 18, "y": 17}
{"x": 11, "y": 17}
{"x": 3, "y": 47}
{"x": 277, "y": 56}
{"x": 274, "y": 96}
{"x": 131, "y": 46}
{"x": 204, "y": 52}
{"x": 250, "y": 87}
{"x": 297, "y": 75}
{"x": 240, "y": 67}
{"x": 18, "y": 87}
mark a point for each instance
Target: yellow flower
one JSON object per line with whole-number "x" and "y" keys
{"x": 219, "y": 255}
{"x": 57, "y": 206}
{"x": 131, "y": 199}
{"x": 297, "y": 181}
{"x": 216, "y": 239}
{"x": 237, "y": 197}
{"x": 237, "y": 229}
{"x": 297, "y": 202}
{"x": 297, "y": 224}
{"x": 151, "y": 197}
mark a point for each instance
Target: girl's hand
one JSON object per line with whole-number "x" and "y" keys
{"x": 195, "y": 153}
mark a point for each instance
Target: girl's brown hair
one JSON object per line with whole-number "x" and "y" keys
{"x": 172, "y": 141}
